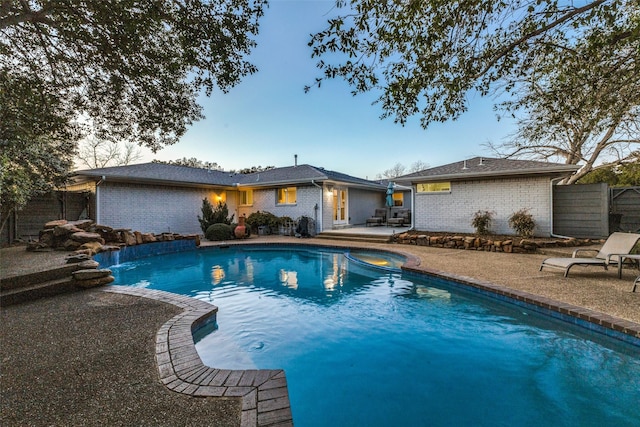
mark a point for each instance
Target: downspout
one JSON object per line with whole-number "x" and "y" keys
{"x": 321, "y": 205}
{"x": 104, "y": 178}
{"x": 551, "y": 211}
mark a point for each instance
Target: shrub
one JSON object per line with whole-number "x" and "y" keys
{"x": 219, "y": 231}
{"x": 482, "y": 221}
{"x": 211, "y": 216}
{"x": 258, "y": 219}
{"x": 522, "y": 223}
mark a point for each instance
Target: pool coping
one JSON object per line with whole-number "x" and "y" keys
{"x": 264, "y": 393}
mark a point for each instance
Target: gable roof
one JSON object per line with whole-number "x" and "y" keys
{"x": 162, "y": 173}
{"x": 486, "y": 167}
{"x": 301, "y": 174}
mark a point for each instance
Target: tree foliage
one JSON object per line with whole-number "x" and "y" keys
{"x": 399, "y": 169}
{"x": 191, "y": 162}
{"x": 624, "y": 175}
{"x": 118, "y": 70}
{"x": 36, "y": 142}
{"x": 130, "y": 70}
{"x": 427, "y": 56}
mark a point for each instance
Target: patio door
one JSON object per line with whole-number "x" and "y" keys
{"x": 340, "y": 207}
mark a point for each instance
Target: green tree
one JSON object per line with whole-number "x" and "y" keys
{"x": 130, "y": 70}
{"x": 624, "y": 175}
{"x": 36, "y": 142}
{"x": 117, "y": 70}
{"x": 579, "y": 108}
{"x": 427, "y": 56}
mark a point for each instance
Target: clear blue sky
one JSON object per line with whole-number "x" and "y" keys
{"x": 268, "y": 118}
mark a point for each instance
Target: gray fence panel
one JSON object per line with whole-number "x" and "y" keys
{"x": 625, "y": 201}
{"x": 581, "y": 210}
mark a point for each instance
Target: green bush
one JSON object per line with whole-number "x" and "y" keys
{"x": 522, "y": 223}
{"x": 210, "y": 216}
{"x": 264, "y": 218}
{"x": 219, "y": 231}
{"x": 482, "y": 221}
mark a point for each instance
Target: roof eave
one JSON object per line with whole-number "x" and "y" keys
{"x": 491, "y": 174}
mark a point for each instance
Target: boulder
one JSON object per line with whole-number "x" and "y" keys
{"x": 76, "y": 258}
{"x": 94, "y": 247}
{"x": 92, "y": 283}
{"x": 89, "y": 274}
{"x": 84, "y": 224}
{"x": 55, "y": 223}
{"x": 84, "y": 237}
{"x": 128, "y": 238}
{"x": 71, "y": 245}
{"x": 88, "y": 264}
{"x": 46, "y": 237}
{"x": 65, "y": 230}
{"x": 148, "y": 238}
{"x": 38, "y": 247}
{"x": 138, "y": 236}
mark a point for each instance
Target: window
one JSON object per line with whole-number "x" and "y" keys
{"x": 435, "y": 187}
{"x": 246, "y": 197}
{"x": 287, "y": 196}
{"x": 398, "y": 199}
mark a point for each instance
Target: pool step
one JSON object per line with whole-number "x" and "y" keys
{"x": 363, "y": 238}
{"x": 31, "y": 291}
{"x": 27, "y": 287}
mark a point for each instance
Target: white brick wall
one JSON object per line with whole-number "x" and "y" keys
{"x": 154, "y": 209}
{"x": 306, "y": 199}
{"x": 454, "y": 211}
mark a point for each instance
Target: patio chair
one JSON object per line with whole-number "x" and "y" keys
{"x": 378, "y": 218}
{"x": 401, "y": 218}
{"x": 616, "y": 244}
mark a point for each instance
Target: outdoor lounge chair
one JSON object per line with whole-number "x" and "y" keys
{"x": 378, "y": 218}
{"x": 400, "y": 218}
{"x": 616, "y": 244}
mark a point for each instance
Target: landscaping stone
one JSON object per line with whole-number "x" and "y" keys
{"x": 84, "y": 237}
{"x": 92, "y": 283}
{"x": 76, "y": 258}
{"x": 56, "y": 223}
{"x": 89, "y": 274}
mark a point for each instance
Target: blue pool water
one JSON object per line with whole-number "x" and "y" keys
{"x": 375, "y": 347}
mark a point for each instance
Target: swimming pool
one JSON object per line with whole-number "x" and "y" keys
{"x": 364, "y": 346}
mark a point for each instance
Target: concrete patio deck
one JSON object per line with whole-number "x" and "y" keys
{"x": 86, "y": 356}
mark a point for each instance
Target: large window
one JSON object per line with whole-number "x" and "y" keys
{"x": 246, "y": 197}
{"x": 435, "y": 187}
{"x": 287, "y": 196}
{"x": 398, "y": 199}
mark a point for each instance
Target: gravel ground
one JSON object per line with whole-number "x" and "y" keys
{"x": 88, "y": 358}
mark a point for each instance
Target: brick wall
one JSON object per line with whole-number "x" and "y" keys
{"x": 155, "y": 209}
{"x": 306, "y": 199}
{"x": 453, "y": 211}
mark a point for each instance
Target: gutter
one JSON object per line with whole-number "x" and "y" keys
{"x": 100, "y": 181}
{"x": 321, "y": 205}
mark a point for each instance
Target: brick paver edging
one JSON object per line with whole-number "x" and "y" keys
{"x": 264, "y": 394}
{"x": 624, "y": 330}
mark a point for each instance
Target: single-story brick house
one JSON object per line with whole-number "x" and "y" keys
{"x": 447, "y": 197}
{"x": 157, "y": 197}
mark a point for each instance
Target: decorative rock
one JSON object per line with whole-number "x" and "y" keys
{"x": 46, "y": 237}
{"x": 66, "y": 229}
{"x": 56, "y": 223}
{"x": 71, "y": 245}
{"x": 167, "y": 237}
{"x": 109, "y": 248}
{"x": 91, "y": 274}
{"x": 84, "y": 237}
{"x": 128, "y": 238}
{"x": 84, "y": 224}
{"x": 88, "y": 264}
{"x": 148, "y": 238}
{"x": 94, "y": 247}
{"x": 138, "y": 236}
{"x": 92, "y": 283}
{"x": 74, "y": 259}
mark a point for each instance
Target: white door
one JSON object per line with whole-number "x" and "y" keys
{"x": 340, "y": 207}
